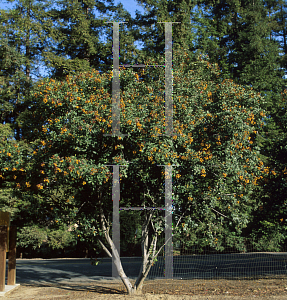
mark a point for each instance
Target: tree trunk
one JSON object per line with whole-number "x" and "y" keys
{"x": 149, "y": 253}
{"x": 117, "y": 260}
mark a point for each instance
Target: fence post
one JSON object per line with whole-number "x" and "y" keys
{"x": 3, "y": 248}
{"x": 12, "y": 256}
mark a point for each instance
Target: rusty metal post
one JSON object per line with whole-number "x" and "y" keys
{"x": 12, "y": 256}
{"x": 3, "y": 248}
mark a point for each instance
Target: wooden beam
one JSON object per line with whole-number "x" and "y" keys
{"x": 12, "y": 256}
{"x": 3, "y": 248}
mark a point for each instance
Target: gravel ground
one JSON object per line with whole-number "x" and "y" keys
{"x": 159, "y": 290}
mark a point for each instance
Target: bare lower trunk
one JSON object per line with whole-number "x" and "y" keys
{"x": 117, "y": 261}
{"x": 132, "y": 290}
{"x": 149, "y": 253}
{"x": 148, "y": 259}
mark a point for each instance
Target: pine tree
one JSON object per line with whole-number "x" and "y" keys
{"x": 148, "y": 30}
{"x": 22, "y": 41}
{"x": 76, "y": 33}
{"x": 217, "y": 31}
{"x": 280, "y": 31}
{"x": 252, "y": 58}
{"x": 273, "y": 140}
{"x": 23, "y": 38}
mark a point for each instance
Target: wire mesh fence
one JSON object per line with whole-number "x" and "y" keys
{"x": 208, "y": 263}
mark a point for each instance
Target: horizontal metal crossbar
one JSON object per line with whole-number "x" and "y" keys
{"x": 141, "y": 208}
{"x": 140, "y": 66}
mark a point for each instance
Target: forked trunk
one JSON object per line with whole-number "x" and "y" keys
{"x": 149, "y": 254}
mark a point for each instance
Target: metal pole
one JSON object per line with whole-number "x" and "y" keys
{"x": 116, "y": 217}
{"x": 168, "y": 224}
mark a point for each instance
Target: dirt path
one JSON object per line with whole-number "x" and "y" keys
{"x": 159, "y": 290}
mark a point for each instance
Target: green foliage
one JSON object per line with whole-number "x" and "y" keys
{"x": 267, "y": 237}
{"x": 23, "y": 39}
{"x": 148, "y": 30}
{"x": 130, "y": 233}
{"x": 59, "y": 169}
{"x": 215, "y": 121}
{"x": 239, "y": 36}
{"x": 9, "y": 200}
{"x": 34, "y": 237}
{"x": 95, "y": 261}
{"x": 31, "y": 237}
{"x": 61, "y": 238}
{"x": 76, "y": 33}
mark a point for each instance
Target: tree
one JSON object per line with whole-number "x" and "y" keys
{"x": 8, "y": 202}
{"x": 76, "y": 33}
{"x": 240, "y": 40}
{"x": 262, "y": 54}
{"x": 36, "y": 33}
{"x": 219, "y": 169}
{"x": 35, "y": 239}
{"x": 23, "y": 39}
{"x": 147, "y": 29}
{"x": 279, "y": 32}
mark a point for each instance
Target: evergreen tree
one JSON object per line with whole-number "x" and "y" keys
{"x": 217, "y": 31}
{"x": 76, "y": 33}
{"x": 280, "y": 31}
{"x": 252, "y": 58}
{"x": 147, "y": 29}
{"x": 22, "y": 41}
{"x": 270, "y": 218}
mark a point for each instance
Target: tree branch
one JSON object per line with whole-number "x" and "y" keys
{"x": 220, "y": 213}
{"x": 105, "y": 248}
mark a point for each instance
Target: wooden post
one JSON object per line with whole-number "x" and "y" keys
{"x": 5, "y": 220}
{"x": 3, "y": 248}
{"x": 12, "y": 256}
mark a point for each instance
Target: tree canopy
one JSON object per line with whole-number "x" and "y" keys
{"x": 215, "y": 120}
